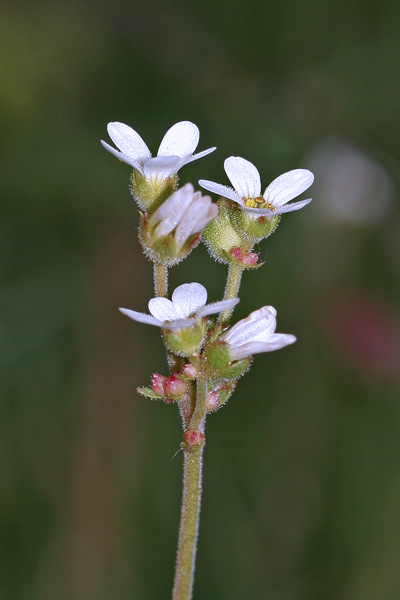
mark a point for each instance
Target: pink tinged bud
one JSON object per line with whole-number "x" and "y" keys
{"x": 250, "y": 258}
{"x": 236, "y": 253}
{"x": 193, "y": 437}
{"x": 212, "y": 401}
{"x": 247, "y": 259}
{"x": 174, "y": 387}
{"x": 157, "y": 383}
{"x": 190, "y": 371}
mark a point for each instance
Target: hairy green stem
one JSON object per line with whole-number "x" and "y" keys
{"x": 191, "y": 498}
{"x": 160, "y": 274}
{"x": 160, "y": 280}
{"x": 231, "y": 290}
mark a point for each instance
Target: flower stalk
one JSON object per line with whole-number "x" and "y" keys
{"x": 160, "y": 275}
{"x": 235, "y": 272}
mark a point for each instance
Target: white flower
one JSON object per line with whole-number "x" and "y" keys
{"x": 176, "y": 149}
{"x": 188, "y": 305}
{"x": 245, "y": 179}
{"x": 186, "y": 211}
{"x": 256, "y": 334}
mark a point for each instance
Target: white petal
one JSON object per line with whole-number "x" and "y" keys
{"x": 141, "y": 317}
{"x": 217, "y": 307}
{"x": 289, "y": 207}
{"x": 259, "y": 323}
{"x": 160, "y": 166}
{"x": 187, "y": 226}
{"x": 196, "y": 216}
{"x": 127, "y": 140}
{"x": 172, "y": 210}
{"x": 221, "y": 190}
{"x": 180, "y": 140}
{"x": 121, "y": 156}
{"x": 179, "y": 324}
{"x": 287, "y": 186}
{"x": 192, "y": 157}
{"x": 162, "y": 309}
{"x": 258, "y": 212}
{"x": 188, "y": 298}
{"x": 212, "y": 213}
{"x": 244, "y": 176}
{"x": 277, "y": 341}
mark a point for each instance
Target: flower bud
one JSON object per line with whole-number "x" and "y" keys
{"x": 193, "y": 438}
{"x": 174, "y": 387}
{"x": 157, "y": 383}
{"x": 190, "y": 371}
{"x": 246, "y": 259}
{"x": 212, "y": 401}
{"x": 220, "y": 394}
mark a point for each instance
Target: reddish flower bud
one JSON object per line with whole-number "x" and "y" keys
{"x": 174, "y": 387}
{"x": 193, "y": 437}
{"x": 250, "y": 258}
{"x": 190, "y": 371}
{"x": 247, "y": 259}
{"x": 157, "y": 383}
{"x": 212, "y": 401}
{"x": 236, "y": 253}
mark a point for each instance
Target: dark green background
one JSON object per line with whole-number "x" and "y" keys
{"x": 302, "y": 468}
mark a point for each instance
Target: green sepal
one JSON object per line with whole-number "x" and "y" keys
{"x": 254, "y": 229}
{"x": 150, "y": 193}
{"x": 217, "y": 356}
{"x": 221, "y": 235}
{"x": 226, "y": 392}
{"x": 148, "y": 392}
{"x": 236, "y": 369}
{"x": 186, "y": 341}
{"x": 218, "y": 365}
{"x": 214, "y": 332}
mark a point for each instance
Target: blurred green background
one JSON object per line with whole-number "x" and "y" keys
{"x": 302, "y": 468}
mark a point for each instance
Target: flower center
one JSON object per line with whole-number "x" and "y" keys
{"x": 258, "y": 202}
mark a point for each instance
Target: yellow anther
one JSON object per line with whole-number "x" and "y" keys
{"x": 259, "y": 200}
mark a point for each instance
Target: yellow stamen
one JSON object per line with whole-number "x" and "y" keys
{"x": 258, "y": 202}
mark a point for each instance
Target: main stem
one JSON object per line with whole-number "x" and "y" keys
{"x": 191, "y": 497}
